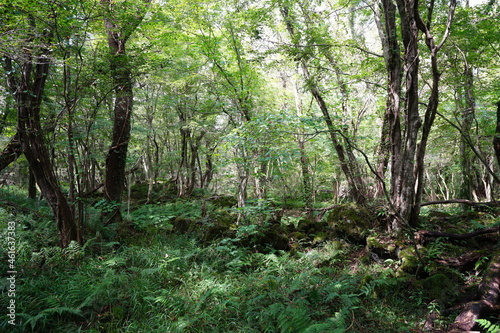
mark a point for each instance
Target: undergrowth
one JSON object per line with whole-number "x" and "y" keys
{"x": 169, "y": 282}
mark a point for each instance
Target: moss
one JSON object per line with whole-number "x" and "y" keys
{"x": 224, "y": 218}
{"x": 275, "y": 239}
{"x": 376, "y": 242}
{"x": 366, "y": 279}
{"x": 385, "y": 247}
{"x": 409, "y": 260}
{"x": 320, "y": 237}
{"x": 437, "y": 287}
{"x": 224, "y": 201}
{"x": 183, "y": 225}
{"x": 298, "y": 236}
{"x": 351, "y": 222}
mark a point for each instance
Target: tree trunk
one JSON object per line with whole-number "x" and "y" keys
{"x": 28, "y": 89}
{"x": 348, "y": 164}
{"x": 496, "y": 140}
{"x": 467, "y": 118}
{"x": 116, "y": 159}
{"x": 390, "y": 139}
{"x": 11, "y": 152}
{"x": 407, "y": 162}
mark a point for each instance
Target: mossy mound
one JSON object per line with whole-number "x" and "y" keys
{"x": 183, "y": 225}
{"x": 351, "y": 222}
{"x": 223, "y": 201}
{"x": 161, "y": 192}
{"x": 384, "y": 246}
{"x": 410, "y": 262}
{"x": 438, "y": 287}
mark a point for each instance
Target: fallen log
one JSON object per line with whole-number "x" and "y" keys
{"x": 466, "y": 259}
{"x": 462, "y": 201}
{"x": 489, "y": 292}
{"x": 423, "y": 235}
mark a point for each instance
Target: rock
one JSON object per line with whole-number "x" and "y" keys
{"x": 351, "y": 222}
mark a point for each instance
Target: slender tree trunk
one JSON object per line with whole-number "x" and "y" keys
{"x": 465, "y": 153}
{"x": 432, "y": 105}
{"x": 496, "y": 140}
{"x": 390, "y": 140}
{"x": 346, "y": 157}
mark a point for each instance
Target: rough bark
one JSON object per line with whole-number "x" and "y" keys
{"x": 405, "y": 146}
{"x": 11, "y": 152}
{"x": 467, "y": 118}
{"x": 390, "y": 141}
{"x": 28, "y": 88}
{"x": 123, "y": 87}
{"x": 496, "y": 140}
{"x": 408, "y": 153}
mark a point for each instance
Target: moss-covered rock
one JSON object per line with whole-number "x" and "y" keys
{"x": 223, "y": 201}
{"x": 351, "y": 222}
{"x": 384, "y": 247}
{"x": 183, "y": 225}
{"x": 437, "y": 287}
{"x": 410, "y": 262}
{"x": 161, "y": 192}
{"x": 311, "y": 228}
{"x": 224, "y": 218}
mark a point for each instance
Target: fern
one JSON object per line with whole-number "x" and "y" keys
{"x": 45, "y": 315}
{"x": 293, "y": 319}
{"x": 488, "y": 326}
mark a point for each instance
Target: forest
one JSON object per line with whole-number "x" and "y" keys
{"x": 287, "y": 166}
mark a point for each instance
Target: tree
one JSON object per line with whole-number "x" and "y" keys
{"x": 121, "y": 20}
{"x": 27, "y": 72}
{"x": 409, "y": 139}
{"x": 337, "y": 134}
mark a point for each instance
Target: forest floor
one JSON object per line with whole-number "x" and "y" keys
{"x": 186, "y": 266}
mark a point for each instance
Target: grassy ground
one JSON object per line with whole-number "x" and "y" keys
{"x": 155, "y": 280}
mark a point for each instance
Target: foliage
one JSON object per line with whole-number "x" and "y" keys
{"x": 488, "y": 326}
{"x": 178, "y": 284}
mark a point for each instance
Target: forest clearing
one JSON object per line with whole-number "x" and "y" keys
{"x": 288, "y": 166}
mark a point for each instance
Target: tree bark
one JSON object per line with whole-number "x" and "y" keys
{"x": 28, "y": 89}
{"x": 496, "y": 140}
{"x": 467, "y": 118}
{"x": 120, "y": 67}
{"x": 11, "y": 152}
{"x": 390, "y": 140}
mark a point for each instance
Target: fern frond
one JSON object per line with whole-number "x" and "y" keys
{"x": 488, "y": 326}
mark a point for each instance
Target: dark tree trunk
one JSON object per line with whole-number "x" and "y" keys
{"x": 390, "y": 141}
{"x": 28, "y": 90}
{"x": 31, "y": 185}
{"x": 496, "y": 140}
{"x": 407, "y": 161}
{"x": 116, "y": 158}
{"x": 11, "y": 152}
{"x": 467, "y": 118}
